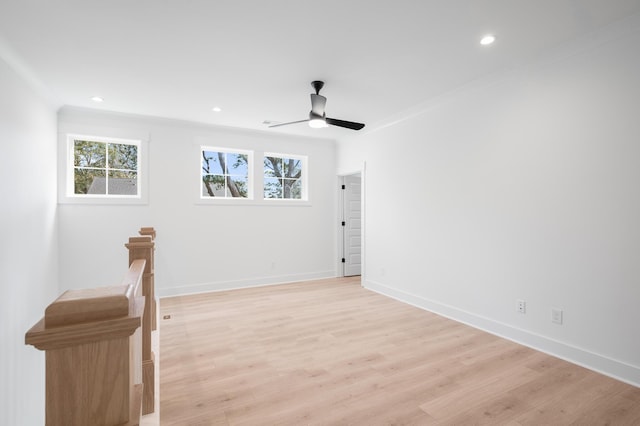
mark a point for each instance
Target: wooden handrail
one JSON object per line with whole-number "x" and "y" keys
{"x": 93, "y": 341}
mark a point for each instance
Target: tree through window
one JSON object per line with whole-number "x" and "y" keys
{"x": 225, "y": 174}
{"x": 283, "y": 177}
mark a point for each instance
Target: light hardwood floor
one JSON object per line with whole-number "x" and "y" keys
{"x": 330, "y": 352}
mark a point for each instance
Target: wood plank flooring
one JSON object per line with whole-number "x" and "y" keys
{"x": 330, "y": 352}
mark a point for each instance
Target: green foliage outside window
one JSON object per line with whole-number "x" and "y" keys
{"x": 104, "y": 168}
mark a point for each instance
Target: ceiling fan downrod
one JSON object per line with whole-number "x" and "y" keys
{"x": 317, "y": 86}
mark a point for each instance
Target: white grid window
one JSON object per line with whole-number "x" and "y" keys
{"x": 285, "y": 177}
{"x": 100, "y": 167}
{"x": 225, "y": 173}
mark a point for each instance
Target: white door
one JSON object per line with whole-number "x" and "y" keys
{"x": 352, "y": 229}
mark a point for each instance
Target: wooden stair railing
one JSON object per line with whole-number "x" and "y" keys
{"x": 93, "y": 344}
{"x": 143, "y": 247}
{"x": 150, "y": 275}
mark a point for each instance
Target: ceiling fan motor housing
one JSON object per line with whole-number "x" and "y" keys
{"x": 317, "y": 86}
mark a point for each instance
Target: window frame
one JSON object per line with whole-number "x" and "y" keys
{"x": 304, "y": 179}
{"x": 250, "y": 180}
{"x": 67, "y": 189}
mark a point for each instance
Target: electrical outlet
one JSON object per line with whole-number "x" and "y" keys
{"x": 521, "y": 306}
{"x": 556, "y": 316}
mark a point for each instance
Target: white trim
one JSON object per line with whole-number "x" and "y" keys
{"x": 339, "y": 228}
{"x": 610, "y": 367}
{"x": 183, "y": 290}
{"x": 256, "y": 181}
{"x": 66, "y": 170}
{"x": 341, "y": 218}
{"x": 217, "y": 201}
{"x": 363, "y": 223}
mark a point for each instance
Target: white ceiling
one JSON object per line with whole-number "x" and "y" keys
{"x": 255, "y": 59}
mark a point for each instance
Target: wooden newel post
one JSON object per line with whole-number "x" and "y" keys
{"x": 143, "y": 248}
{"x": 151, "y": 274}
{"x": 93, "y": 356}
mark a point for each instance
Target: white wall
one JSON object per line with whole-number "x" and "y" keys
{"x": 524, "y": 186}
{"x": 28, "y": 242}
{"x": 200, "y": 247}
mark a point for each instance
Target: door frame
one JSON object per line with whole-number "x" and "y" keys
{"x": 340, "y": 229}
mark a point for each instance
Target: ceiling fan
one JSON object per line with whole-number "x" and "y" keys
{"x": 317, "y": 117}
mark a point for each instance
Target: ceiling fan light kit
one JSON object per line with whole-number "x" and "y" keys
{"x": 317, "y": 116}
{"x": 318, "y": 123}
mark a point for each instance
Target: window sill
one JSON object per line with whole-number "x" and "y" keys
{"x": 103, "y": 201}
{"x": 250, "y": 202}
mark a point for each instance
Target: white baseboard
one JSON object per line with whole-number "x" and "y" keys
{"x": 610, "y": 367}
{"x": 182, "y": 290}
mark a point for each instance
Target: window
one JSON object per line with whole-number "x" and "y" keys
{"x": 225, "y": 173}
{"x": 284, "y": 177}
{"x": 103, "y": 167}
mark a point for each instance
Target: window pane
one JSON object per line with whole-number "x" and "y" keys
{"x": 123, "y": 156}
{"x": 292, "y": 168}
{"x": 89, "y": 154}
{"x": 89, "y": 181}
{"x": 272, "y": 187}
{"x": 213, "y": 186}
{"x": 273, "y": 167}
{"x": 238, "y": 186}
{"x": 292, "y": 189}
{"x": 211, "y": 162}
{"x": 123, "y": 183}
{"x": 237, "y": 164}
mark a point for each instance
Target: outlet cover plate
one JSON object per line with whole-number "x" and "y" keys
{"x": 556, "y": 316}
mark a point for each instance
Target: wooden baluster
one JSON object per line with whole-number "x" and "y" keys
{"x": 142, "y": 248}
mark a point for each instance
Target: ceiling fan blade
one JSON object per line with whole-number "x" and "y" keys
{"x": 343, "y": 123}
{"x": 291, "y": 122}
{"x": 317, "y": 104}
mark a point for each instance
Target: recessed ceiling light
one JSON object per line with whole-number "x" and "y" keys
{"x": 216, "y": 109}
{"x": 97, "y": 99}
{"x": 487, "y": 40}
